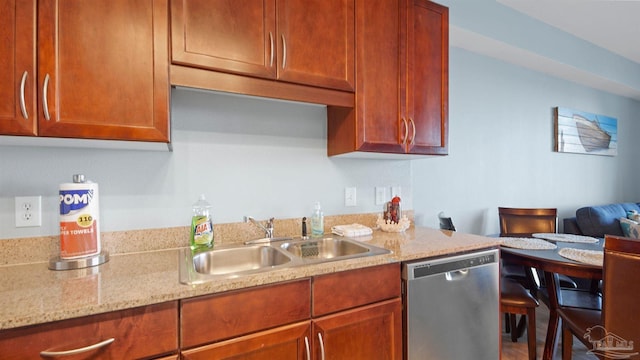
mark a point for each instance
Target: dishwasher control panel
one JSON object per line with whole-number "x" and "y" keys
{"x": 454, "y": 263}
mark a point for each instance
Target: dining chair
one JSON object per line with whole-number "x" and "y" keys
{"x": 618, "y": 320}
{"x": 524, "y": 222}
{"x": 514, "y": 300}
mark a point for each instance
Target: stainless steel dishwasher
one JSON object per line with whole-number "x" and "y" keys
{"x": 452, "y": 307}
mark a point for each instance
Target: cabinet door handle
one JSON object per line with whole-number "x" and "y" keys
{"x": 321, "y": 346}
{"x": 23, "y": 106}
{"x": 284, "y": 51}
{"x": 413, "y": 129}
{"x": 45, "y": 103}
{"x": 406, "y": 131}
{"x": 78, "y": 350}
{"x": 306, "y": 345}
{"x": 272, "y": 51}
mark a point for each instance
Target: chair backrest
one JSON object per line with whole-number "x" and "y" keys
{"x": 621, "y": 288}
{"x": 523, "y": 222}
{"x": 445, "y": 222}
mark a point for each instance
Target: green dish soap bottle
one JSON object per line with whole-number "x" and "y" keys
{"x": 201, "y": 226}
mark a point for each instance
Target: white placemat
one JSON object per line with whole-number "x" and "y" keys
{"x": 573, "y": 238}
{"x": 528, "y": 243}
{"x": 592, "y": 257}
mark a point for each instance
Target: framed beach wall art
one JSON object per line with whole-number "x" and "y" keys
{"x": 585, "y": 133}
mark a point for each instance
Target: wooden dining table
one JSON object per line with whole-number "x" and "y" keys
{"x": 552, "y": 264}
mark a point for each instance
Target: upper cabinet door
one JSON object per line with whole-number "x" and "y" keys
{"x": 103, "y": 69}
{"x": 427, "y": 87}
{"x": 316, "y": 42}
{"x": 237, "y": 36}
{"x": 308, "y": 42}
{"x": 18, "y": 67}
{"x": 375, "y": 125}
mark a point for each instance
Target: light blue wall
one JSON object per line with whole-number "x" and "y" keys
{"x": 248, "y": 156}
{"x": 501, "y": 148}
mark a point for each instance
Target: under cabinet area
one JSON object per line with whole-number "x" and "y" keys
{"x": 401, "y": 104}
{"x": 354, "y": 314}
{"x": 145, "y": 332}
{"x": 309, "y": 42}
{"x": 98, "y": 70}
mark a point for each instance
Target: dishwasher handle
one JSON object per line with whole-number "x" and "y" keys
{"x": 456, "y": 275}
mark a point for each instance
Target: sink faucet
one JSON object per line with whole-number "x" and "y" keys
{"x": 268, "y": 229}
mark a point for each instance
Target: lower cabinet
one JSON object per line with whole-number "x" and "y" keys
{"x": 370, "y": 332}
{"x": 354, "y": 315}
{"x": 284, "y": 342}
{"x": 144, "y": 332}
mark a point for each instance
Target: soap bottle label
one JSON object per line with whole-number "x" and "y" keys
{"x": 202, "y": 230}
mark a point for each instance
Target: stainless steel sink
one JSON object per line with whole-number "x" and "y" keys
{"x": 239, "y": 259}
{"x": 231, "y": 261}
{"x": 324, "y": 248}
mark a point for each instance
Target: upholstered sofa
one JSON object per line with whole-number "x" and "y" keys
{"x": 597, "y": 221}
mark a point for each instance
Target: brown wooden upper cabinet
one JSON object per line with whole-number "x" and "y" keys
{"x": 18, "y": 67}
{"x": 309, "y": 42}
{"x": 102, "y": 69}
{"x": 402, "y": 82}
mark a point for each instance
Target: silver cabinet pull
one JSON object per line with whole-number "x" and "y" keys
{"x": 413, "y": 128}
{"x": 284, "y": 51}
{"x": 406, "y": 131}
{"x": 23, "y": 106}
{"x": 306, "y": 346}
{"x": 272, "y": 51}
{"x": 77, "y": 351}
{"x": 45, "y": 103}
{"x": 321, "y": 346}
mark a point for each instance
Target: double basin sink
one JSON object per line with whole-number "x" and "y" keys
{"x": 238, "y": 260}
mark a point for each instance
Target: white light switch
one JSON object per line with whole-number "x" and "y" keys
{"x": 350, "y": 196}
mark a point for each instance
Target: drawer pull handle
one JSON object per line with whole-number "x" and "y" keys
{"x": 284, "y": 51}
{"x": 272, "y": 50}
{"x": 413, "y": 127}
{"x": 306, "y": 345}
{"x": 406, "y": 131}
{"x": 45, "y": 103}
{"x": 77, "y": 351}
{"x": 23, "y": 106}
{"x": 321, "y": 346}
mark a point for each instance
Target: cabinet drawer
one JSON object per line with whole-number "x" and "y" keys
{"x": 212, "y": 318}
{"x": 348, "y": 289}
{"x": 137, "y": 333}
{"x": 284, "y": 342}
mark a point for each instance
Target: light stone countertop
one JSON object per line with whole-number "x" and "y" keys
{"x": 32, "y": 294}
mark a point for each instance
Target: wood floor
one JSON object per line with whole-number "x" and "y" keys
{"x": 518, "y": 351}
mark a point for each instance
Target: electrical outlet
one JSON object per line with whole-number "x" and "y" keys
{"x": 381, "y": 195}
{"x": 350, "y": 196}
{"x": 28, "y": 211}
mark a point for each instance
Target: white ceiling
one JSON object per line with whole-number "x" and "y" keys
{"x": 611, "y": 24}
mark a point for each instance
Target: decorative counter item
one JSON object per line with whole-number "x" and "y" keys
{"x": 392, "y": 211}
{"x": 390, "y": 226}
